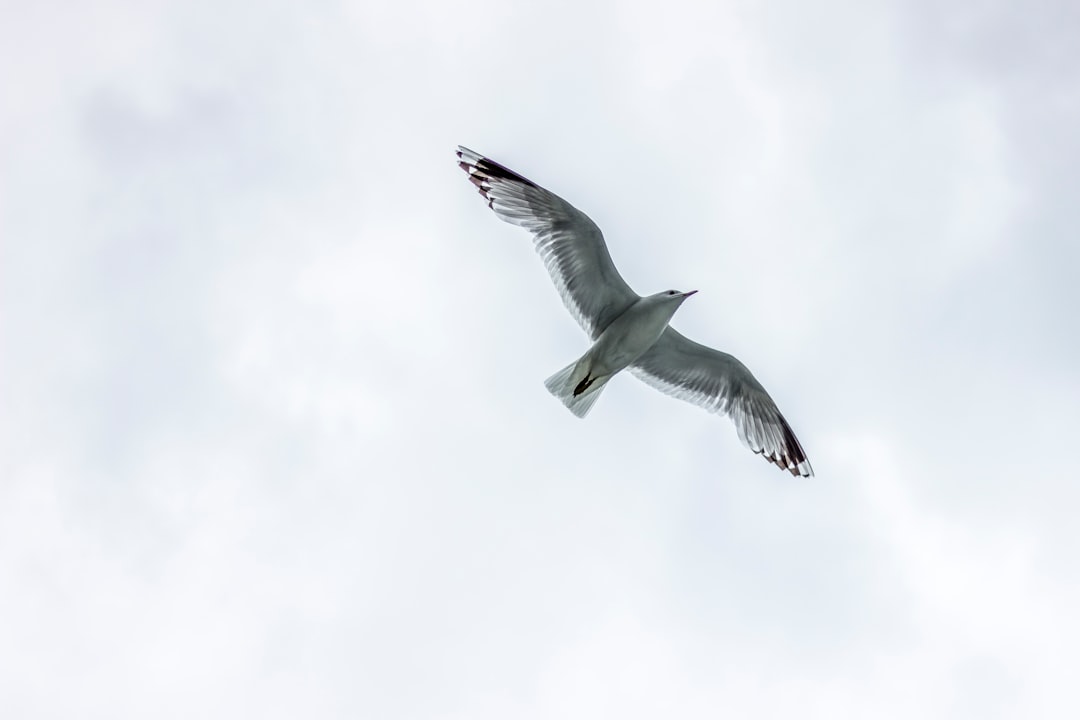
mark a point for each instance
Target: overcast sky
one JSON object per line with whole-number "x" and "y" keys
{"x": 274, "y": 441}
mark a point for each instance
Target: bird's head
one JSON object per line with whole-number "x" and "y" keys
{"x": 674, "y": 295}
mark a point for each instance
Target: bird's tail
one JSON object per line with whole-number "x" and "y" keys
{"x": 575, "y": 387}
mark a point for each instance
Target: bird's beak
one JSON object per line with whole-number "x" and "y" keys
{"x": 688, "y": 294}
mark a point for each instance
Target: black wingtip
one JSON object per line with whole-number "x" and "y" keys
{"x": 487, "y": 169}
{"x": 790, "y": 456}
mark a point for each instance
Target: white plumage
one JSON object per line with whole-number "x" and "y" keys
{"x": 628, "y": 330}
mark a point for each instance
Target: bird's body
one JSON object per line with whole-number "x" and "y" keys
{"x": 624, "y": 340}
{"x": 631, "y": 334}
{"x": 628, "y": 330}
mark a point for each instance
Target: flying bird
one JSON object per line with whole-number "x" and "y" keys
{"x": 629, "y": 331}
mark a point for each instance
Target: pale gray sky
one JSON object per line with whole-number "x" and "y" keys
{"x": 274, "y": 440}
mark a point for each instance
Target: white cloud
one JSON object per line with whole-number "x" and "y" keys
{"x": 274, "y": 438}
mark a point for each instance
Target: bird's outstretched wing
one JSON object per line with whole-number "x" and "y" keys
{"x": 719, "y": 383}
{"x": 570, "y": 244}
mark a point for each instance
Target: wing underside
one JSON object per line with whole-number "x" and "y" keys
{"x": 570, "y": 244}
{"x": 720, "y": 383}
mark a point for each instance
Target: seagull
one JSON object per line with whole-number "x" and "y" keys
{"x": 629, "y": 331}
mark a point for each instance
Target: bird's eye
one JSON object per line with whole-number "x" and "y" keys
{"x": 670, "y": 292}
